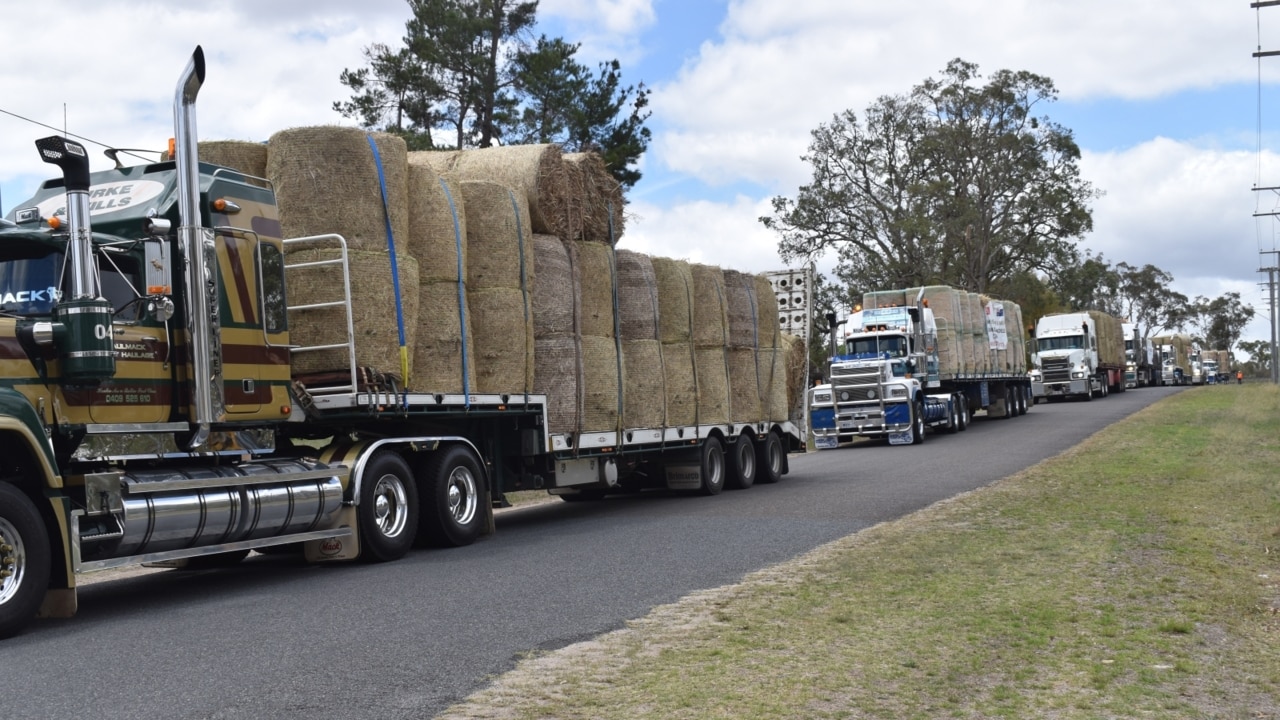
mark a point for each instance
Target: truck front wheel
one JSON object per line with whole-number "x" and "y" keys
{"x": 452, "y": 497}
{"x": 24, "y": 560}
{"x": 917, "y": 422}
{"x": 388, "y": 510}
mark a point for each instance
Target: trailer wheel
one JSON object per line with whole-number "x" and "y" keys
{"x": 953, "y": 415}
{"x": 24, "y": 560}
{"x": 712, "y": 467}
{"x": 962, "y": 401}
{"x": 917, "y": 422}
{"x": 388, "y": 510}
{"x": 742, "y": 463}
{"x": 452, "y": 498}
{"x": 769, "y": 458}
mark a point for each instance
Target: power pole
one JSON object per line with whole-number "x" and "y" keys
{"x": 1271, "y": 296}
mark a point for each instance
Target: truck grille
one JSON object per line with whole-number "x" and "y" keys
{"x": 856, "y": 384}
{"x": 1056, "y": 370}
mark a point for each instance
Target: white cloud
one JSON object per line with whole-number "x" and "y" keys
{"x": 725, "y": 234}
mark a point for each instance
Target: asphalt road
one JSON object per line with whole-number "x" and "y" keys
{"x": 274, "y": 638}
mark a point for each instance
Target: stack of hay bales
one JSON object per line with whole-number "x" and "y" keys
{"x": 242, "y": 156}
{"x": 327, "y": 181}
{"x": 500, "y": 273}
{"x": 557, "y": 354}
{"x": 595, "y": 212}
{"x": 710, "y": 343}
{"x": 1110, "y": 338}
{"x": 602, "y": 385}
{"x": 949, "y": 318}
{"x": 743, "y": 347}
{"x": 674, "y": 281}
{"x": 767, "y": 342}
{"x": 638, "y": 327}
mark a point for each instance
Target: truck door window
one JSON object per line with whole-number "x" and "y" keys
{"x": 29, "y": 280}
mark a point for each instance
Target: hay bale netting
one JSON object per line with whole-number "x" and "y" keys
{"x": 884, "y": 298}
{"x": 637, "y": 297}
{"x": 680, "y": 388}
{"x": 597, "y": 275}
{"x": 373, "y": 310}
{"x": 744, "y": 385}
{"x": 598, "y": 213}
{"x": 644, "y": 383}
{"x": 766, "y": 311}
{"x": 948, "y": 353}
{"x": 326, "y": 181}
{"x": 499, "y": 239}
{"x": 242, "y": 156}
{"x": 601, "y": 398}
{"x": 710, "y": 316}
{"x": 443, "y": 350}
{"x": 711, "y": 370}
{"x": 439, "y": 160}
{"x": 437, "y": 225}
{"x": 557, "y": 373}
{"x": 675, "y": 299}
{"x": 502, "y": 339}
{"x": 1020, "y": 333}
{"x": 554, "y": 296}
{"x": 790, "y": 367}
{"x": 536, "y": 169}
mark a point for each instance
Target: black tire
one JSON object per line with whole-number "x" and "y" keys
{"x": 953, "y": 415}
{"x": 388, "y": 509}
{"x": 25, "y": 555}
{"x": 713, "y": 467}
{"x": 1023, "y": 405}
{"x": 769, "y": 459}
{"x": 741, "y": 463}
{"x": 963, "y": 401}
{"x": 453, "y": 493}
{"x": 917, "y": 422}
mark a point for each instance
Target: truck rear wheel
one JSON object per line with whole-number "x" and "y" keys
{"x": 962, "y": 401}
{"x": 769, "y": 457}
{"x": 24, "y": 560}
{"x": 953, "y": 415}
{"x": 917, "y": 422}
{"x": 452, "y": 492}
{"x": 742, "y": 463}
{"x": 712, "y": 462}
{"x": 388, "y": 510}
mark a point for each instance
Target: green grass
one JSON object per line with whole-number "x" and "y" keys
{"x": 1134, "y": 576}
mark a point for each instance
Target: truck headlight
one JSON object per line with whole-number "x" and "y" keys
{"x": 822, "y": 397}
{"x": 1035, "y": 376}
{"x": 1077, "y": 375}
{"x": 897, "y": 391}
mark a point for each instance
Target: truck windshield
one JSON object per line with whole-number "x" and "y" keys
{"x": 876, "y": 346}
{"x": 1062, "y": 342}
{"x": 29, "y": 280}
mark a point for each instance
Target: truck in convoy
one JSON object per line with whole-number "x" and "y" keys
{"x": 149, "y": 413}
{"x": 1174, "y": 352}
{"x": 1217, "y": 365}
{"x": 1195, "y": 357}
{"x": 1140, "y": 368}
{"x": 1078, "y": 354}
{"x": 921, "y": 358}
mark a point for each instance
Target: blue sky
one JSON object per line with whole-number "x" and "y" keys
{"x": 1163, "y": 100}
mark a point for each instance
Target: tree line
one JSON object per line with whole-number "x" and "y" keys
{"x": 966, "y": 183}
{"x": 471, "y": 73}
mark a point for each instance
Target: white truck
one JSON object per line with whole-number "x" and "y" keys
{"x": 1078, "y": 354}
{"x": 932, "y": 358}
{"x": 1140, "y": 368}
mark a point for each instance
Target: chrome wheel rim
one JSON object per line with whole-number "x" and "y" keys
{"x": 774, "y": 448}
{"x": 462, "y": 495}
{"x": 390, "y": 506}
{"x": 715, "y": 467}
{"x": 13, "y": 561}
{"x": 747, "y": 460}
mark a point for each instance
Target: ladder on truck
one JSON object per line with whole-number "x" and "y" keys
{"x": 349, "y": 385}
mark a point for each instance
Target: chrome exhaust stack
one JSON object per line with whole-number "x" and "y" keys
{"x": 197, "y": 242}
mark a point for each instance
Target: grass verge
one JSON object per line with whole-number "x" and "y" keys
{"x": 1137, "y": 575}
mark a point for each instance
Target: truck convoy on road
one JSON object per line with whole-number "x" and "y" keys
{"x": 154, "y": 407}
{"x": 1140, "y": 366}
{"x": 1078, "y": 354}
{"x": 921, "y": 358}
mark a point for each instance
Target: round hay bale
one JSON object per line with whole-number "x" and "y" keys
{"x": 326, "y": 181}
{"x": 675, "y": 299}
{"x": 644, "y": 384}
{"x": 439, "y": 160}
{"x": 557, "y": 373}
{"x": 712, "y": 373}
{"x": 499, "y": 238}
{"x": 596, "y": 274}
{"x": 795, "y": 358}
{"x": 554, "y": 297}
{"x": 766, "y": 311}
{"x": 637, "y": 297}
{"x": 600, "y": 387}
{"x": 603, "y": 201}
{"x": 242, "y": 156}
{"x": 741, "y": 309}
{"x": 503, "y": 340}
{"x": 710, "y": 319}
{"x": 680, "y": 387}
{"x": 744, "y": 385}
{"x": 536, "y": 169}
{"x": 443, "y": 339}
{"x": 373, "y": 310}
{"x": 437, "y": 225}
{"x": 575, "y": 205}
